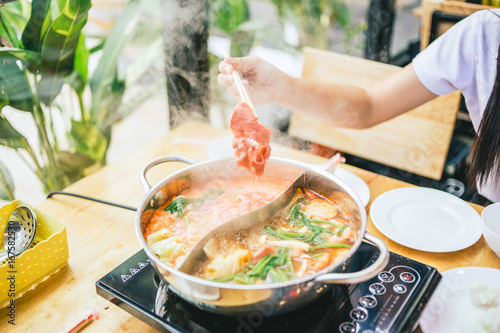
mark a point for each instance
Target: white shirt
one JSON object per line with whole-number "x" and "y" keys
{"x": 465, "y": 58}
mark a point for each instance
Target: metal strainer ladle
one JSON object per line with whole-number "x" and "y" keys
{"x": 19, "y": 232}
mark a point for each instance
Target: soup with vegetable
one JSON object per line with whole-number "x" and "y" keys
{"x": 176, "y": 226}
{"x": 311, "y": 233}
{"x": 300, "y": 240}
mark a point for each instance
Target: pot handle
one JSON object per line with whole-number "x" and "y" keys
{"x": 159, "y": 160}
{"x": 364, "y": 274}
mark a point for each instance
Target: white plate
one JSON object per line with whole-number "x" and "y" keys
{"x": 352, "y": 180}
{"x": 450, "y": 308}
{"x": 355, "y": 182}
{"x": 426, "y": 219}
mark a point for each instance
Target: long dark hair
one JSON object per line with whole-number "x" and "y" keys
{"x": 485, "y": 152}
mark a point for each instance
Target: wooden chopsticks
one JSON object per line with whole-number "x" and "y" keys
{"x": 242, "y": 91}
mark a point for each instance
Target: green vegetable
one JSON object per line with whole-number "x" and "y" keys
{"x": 341, "y": 230}
{"x": 271, "y": 232}
{"x": 274, "y": 275}
{"x": 318, "y": 240}
{"x": 178, "y": 205}
{"x": 261, "y": 266}
{"x": 268, "y": 262}
{"x": 315, "y": 229}
{"x": 292, "y": 215}
{"x": 313, "y": 248}
{"x": 284, "y": 276}
{"x": 293, "y": 234}
{"x": 243, "y": 280}
{"x": 282, "y": 256}
{"x": 278, "y": 275}
{"x": 239, "y": 276}
{"x": 289, "y": 266}
{"x": 294, "y": 211}
{"x": 324, "y": 222}
{"x": 225, "y": 279}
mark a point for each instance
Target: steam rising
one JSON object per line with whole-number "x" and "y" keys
{"x": 185, "y": 31}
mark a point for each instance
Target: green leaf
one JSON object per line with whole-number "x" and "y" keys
{"x": 9, "y": 136}
{"x": 10, "y": 20}
{"x": 31, "y": 58}
{"x": 15, "y": 89}
{"x": 81, "y": 58}
{"x": 6, "y": 183}
{"x": 341, "y": 13}
{"x": 104, "y": 77}
{"x": 76, "y": 82}
{"x": 74, "y": 164}
{"x": 230, "y": 14}
{"x": 59, "y": 45}
{"x": 34, "y": 32}
{"x": 16, "y": 13}
{"x": 88, "y": 140}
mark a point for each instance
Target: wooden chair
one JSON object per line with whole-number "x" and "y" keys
{"x": 416, "y": 141}
{"x": 453, "y": 8}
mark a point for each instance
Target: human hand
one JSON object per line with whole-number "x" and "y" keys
{"x": 264, "y": 83}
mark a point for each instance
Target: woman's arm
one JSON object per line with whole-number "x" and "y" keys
{"x": 336, "y": 104}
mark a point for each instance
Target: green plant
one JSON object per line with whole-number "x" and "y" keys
{"x": 47, "y": 67}
{"x": 313, "y": 18}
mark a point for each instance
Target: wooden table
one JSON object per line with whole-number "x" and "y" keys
{"x": 101, "y": 237}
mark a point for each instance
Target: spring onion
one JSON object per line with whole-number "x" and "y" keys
{"x": 313, "y": 248}
{"x": 271, "y": 232}
{"x": 262, "y": 268}
{"x": 324, "y": 222}
{"x": 243, "y": 280}
{"x": 179, "y": 204}
{"x": 341, "y": 230}
{"x": 289, "y": 266}
{"x": 278, "y": 275}
{"x": 293, "y": 234}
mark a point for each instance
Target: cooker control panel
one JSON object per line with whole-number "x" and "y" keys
{"x": 390, "y": 302}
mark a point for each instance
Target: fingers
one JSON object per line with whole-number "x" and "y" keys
{"x": 225, "y": 67}
{"x": 225, "y": 77}
{"x": 225, "y": 80}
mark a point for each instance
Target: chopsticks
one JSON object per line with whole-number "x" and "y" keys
{"x": 241, "y": 89}
{"x": 332, "y": 163}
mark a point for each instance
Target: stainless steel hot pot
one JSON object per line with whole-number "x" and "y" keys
{"x": 267, "y": 299}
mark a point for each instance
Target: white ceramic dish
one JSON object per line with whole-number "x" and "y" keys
{"x": 426, "y": 219}
{"x": 450, "y": 308}
{"x": 491, "y": 227}
{"x": 355, "y": 182}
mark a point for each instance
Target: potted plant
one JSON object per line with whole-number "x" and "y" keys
{"x": 44, "y": 73}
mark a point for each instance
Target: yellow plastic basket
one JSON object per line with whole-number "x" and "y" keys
{"x": 47, "y": 255}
